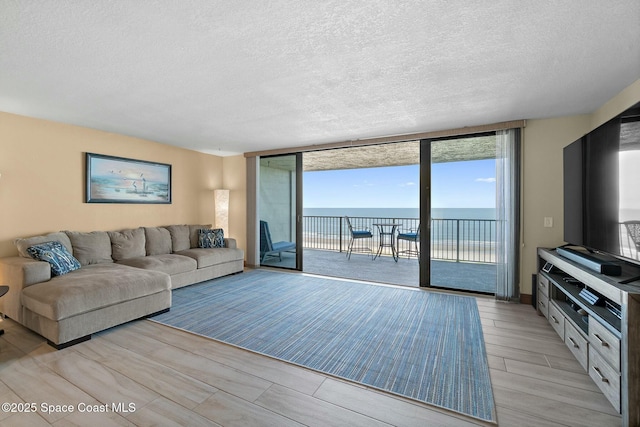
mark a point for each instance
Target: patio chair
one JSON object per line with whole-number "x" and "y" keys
{"x": 409, "y": 236}
{"x": 268, "y": 248}
{"x": 356, "y": 235}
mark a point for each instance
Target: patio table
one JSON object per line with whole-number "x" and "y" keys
{"x": 387, "y": 232}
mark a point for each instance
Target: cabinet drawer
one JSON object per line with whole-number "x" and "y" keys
{"x": 577, "y": 344}
{"x": 607, "y": 344}
{"x": 605, "y": 377}
{"x": 543, "y": 305}
{"x": 543, "y": 285}
{"x": 556, "y": 319}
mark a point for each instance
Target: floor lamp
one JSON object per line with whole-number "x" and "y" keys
{"x": 222, "y": 210}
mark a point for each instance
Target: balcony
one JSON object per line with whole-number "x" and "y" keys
{"x": 462, "y": 252}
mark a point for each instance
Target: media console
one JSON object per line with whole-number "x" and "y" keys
{"x": 598, "y": 318}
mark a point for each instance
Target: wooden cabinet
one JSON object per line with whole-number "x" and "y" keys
{"x": 604, "y": 335}
{"x": 543, "y": 295}
{"x": 605, "y": 343}
{"x": 606, "y": 378}
{"x": 578, "y": 344}
{"x": 557, "y": 319}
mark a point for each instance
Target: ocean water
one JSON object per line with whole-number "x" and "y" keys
{"x": 436, "y": 213}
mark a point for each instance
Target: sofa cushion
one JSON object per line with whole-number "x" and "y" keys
{"x": 127, "y": 244}
{"x": 167, "y": 263}
{"x": 23, "y": 244}
{"x": 230, "y": 243}
{"x": 91, "y": 288}
{"x": 180, "y": 239}
{"x": 157, "y": 240}
{"x": 91, "y": 248}
{"x": 213, "y": 256}
{"x": 60, "y": 259}
{"x": 211, "y": 238}
{"x": 194, "y": 235}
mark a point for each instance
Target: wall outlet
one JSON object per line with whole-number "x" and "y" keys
{"x": 548, "y": 221}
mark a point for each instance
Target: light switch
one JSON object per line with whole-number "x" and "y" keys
{"x": 548, "y": 221}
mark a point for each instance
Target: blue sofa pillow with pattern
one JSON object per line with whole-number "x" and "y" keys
{"x": 211, "y": 238}
{"x": 62, "y": 262}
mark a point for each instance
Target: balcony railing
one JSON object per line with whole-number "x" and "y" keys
{"x": 471, "y": 240}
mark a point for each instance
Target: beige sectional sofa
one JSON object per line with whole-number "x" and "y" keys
{"x": 124, "y": 275}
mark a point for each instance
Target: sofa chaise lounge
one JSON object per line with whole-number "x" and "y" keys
{"x": 123, "y": 276}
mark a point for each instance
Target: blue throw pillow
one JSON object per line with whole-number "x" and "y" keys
{"x": 62, "y": 262}
{"x": 211, "y": 238}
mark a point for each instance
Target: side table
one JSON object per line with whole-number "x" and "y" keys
{"x": 3, "y": 290}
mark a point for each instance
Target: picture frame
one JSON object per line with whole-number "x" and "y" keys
{"x": 111, "y": 179}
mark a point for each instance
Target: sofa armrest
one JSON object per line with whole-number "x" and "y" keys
{"x": 230, "y": 243}
{"x": 18, "y": 273}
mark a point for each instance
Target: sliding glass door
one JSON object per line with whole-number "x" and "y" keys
{"x": 463, "y": 219}
{"x": 280, "y": 211}
{"x": 469, "y": 200}
{"x": 467, "y": 216}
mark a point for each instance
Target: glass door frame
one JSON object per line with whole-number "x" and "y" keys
{"x": 425, "y": 206}
{"x": 298, "y": 215}
{"x": 424, "y": 275}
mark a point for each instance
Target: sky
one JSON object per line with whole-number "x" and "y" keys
{"x": 468, "y": 184}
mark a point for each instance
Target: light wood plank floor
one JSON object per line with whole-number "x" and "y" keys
{"x": 171, "y": 377}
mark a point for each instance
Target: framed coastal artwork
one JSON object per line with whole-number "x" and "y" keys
{"x": 118, "y": 180}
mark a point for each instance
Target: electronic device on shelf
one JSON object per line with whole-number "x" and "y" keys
{"x": 592, "y": 262}
{"x": 589, "y": 296}
{"x": 571, "y": 280}
{"x": 613, "y": 309}
{"x": 548, "y": 267}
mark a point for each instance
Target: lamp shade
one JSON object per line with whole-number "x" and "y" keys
{"x": 222, "y": 210}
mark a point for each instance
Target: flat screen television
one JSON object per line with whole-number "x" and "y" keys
{"x": 602, "y": 188}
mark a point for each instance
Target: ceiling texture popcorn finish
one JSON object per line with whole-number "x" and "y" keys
{"x": 231, "y": 77}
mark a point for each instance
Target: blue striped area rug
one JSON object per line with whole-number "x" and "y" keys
{"x": 422, "y": 345}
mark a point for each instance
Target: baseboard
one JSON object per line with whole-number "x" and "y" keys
{"x": 526, "y": 299}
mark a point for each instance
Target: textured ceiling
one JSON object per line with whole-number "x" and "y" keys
{"x": 229, "y": 77}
